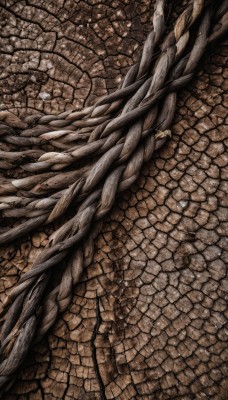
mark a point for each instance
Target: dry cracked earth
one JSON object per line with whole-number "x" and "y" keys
{"x": 148, "y": 320}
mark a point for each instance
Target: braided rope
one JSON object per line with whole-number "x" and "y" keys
{"x": 120, "y": 133}
{"x": 147, "y": 95}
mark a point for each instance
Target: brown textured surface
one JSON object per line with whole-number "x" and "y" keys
{"x": 149, "y": 315}
{"x": 67, "y": 49}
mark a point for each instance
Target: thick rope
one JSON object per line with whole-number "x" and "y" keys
{"x": 32, "y": 187}
{"x": 118, "y": 134}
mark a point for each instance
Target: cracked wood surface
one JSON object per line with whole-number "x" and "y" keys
{"x": 148, "y": 318}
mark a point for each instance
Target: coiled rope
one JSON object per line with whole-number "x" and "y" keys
{"x": 96, "y": 154}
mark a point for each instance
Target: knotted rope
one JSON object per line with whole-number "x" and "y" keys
{"x": 81, "y": 160}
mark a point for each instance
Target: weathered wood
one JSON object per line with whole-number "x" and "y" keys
{"x": 92, "y": 340}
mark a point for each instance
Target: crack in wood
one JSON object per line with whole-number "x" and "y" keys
{"x": 94, "y": 351}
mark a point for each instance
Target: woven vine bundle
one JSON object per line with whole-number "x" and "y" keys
{"x": 74, "y": 165}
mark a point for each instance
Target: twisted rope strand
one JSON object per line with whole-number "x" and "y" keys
{"x": 123, "y": 143}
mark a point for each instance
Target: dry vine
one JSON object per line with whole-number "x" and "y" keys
{"x": 81, "y": 160}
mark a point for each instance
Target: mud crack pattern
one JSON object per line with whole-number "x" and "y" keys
{"x": 149, "y": 317}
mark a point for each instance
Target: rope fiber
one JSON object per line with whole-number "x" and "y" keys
{"x": 79, "y": 161}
